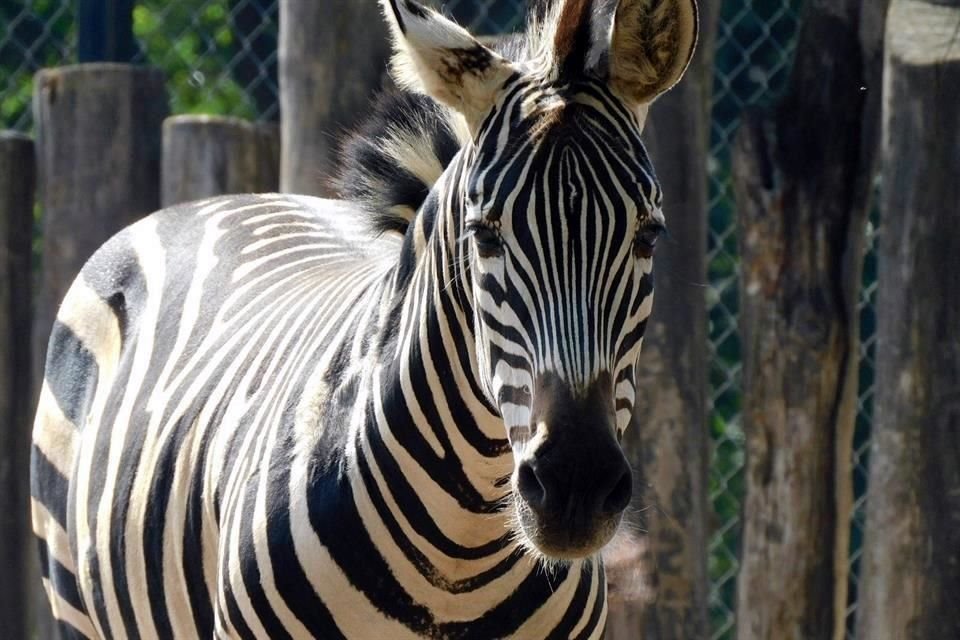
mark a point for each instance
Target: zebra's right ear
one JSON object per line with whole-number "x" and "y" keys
{"x": 435, "y": 56}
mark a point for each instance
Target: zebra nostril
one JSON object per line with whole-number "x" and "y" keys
{"x": 619, "y": 497}
{"x": 530, "y": 487}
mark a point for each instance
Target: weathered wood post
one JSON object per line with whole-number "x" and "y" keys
{"x": 205, "y": 156}
{"x": 329, "y": 68}
{"x": 803, "y": 175}
{"x": 98, "y": 150}
{"x": 668, "y": 443}
{"x": 17, "y": 551}
{"x": 910, "y": 571}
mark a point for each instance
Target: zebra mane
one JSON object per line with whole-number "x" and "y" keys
{"x": 391, "y": 161}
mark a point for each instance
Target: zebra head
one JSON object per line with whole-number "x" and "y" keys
{"x": 559, "y": 213}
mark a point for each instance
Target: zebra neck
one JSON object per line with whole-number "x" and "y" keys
{"x": 432, "y": 435}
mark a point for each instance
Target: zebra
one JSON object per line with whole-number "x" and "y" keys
{"x": 394, "y": 415}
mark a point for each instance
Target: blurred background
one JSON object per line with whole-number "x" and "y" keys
{"x": 222, "y": 56}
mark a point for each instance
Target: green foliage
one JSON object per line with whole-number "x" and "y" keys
{"x": 16, "y": 99}
{"x": 194, "y": 45}
{"x": 32, "y": 36}
{"x": 219, "y": 55}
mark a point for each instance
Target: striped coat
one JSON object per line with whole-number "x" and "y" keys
{"x": 285, "y": 417}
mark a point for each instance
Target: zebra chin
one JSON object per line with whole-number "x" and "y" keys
{"x": 560, "y": 539}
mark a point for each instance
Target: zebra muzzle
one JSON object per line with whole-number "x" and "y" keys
{"x": 575, "y": 483}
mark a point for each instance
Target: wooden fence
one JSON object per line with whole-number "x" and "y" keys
{"x": 17, "y": 179}
{"x": 106, "y": 154}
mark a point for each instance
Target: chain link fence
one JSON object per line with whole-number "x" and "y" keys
{"x": 754, "y": 49}
{"x": 221, "y": 57}
{"x": 861, "y": 437}
{"x": 33, "y": 35}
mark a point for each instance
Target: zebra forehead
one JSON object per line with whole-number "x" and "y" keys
{"x": 546, "y": 108}
{"x": 592, "y": 152}
{"x": 537, "y": 99}
{"x": 537, "y": 113}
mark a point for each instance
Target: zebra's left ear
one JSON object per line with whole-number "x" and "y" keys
{"x": 651, "y": 45}
{"x": 437, "y": 57}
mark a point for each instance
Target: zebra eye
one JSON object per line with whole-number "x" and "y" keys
{"x": 646, "y": 239}
{"x": 487, "y": 237}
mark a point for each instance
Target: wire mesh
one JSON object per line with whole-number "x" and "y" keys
{"x": 33, "y": 35}
{"x": 861, "y": 436}
{"x": 753, "y": 53}
{"x": 221, "y": 57}
{"x": 486, "y": 17}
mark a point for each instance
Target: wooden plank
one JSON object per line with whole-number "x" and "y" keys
{"x": 205, "y": 156}
{"x": 910, "y": 570}
{"x": 328, "y": 71}
{"x": 17, "y": 182}
{"x": 803, "y": 174}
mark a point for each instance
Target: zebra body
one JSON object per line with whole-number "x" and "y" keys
{"x": 259, "y": 420}
{"x": 258, "y": 387}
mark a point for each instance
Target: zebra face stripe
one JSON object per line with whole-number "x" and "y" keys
{"x": 567, "y": 292}
{"x": 563, "y": 208}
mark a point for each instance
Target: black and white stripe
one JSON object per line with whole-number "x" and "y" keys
{"x": 261, "y": 420}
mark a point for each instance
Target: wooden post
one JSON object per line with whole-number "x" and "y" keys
{"x": 329, "y": 68}
{"x": 206, "y": 156}
{"x": 17, "y": 181}
{"x": 803, "y": 175}
{"x": 105, "y": 31}
{"x": 98, "y": 149}
{"x": 668, "y": 442}
{"x": 910, "y": 571}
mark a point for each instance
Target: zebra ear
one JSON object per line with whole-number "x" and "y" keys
{"x": 651, "y": 45}
{"x": 435, "y": 56}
